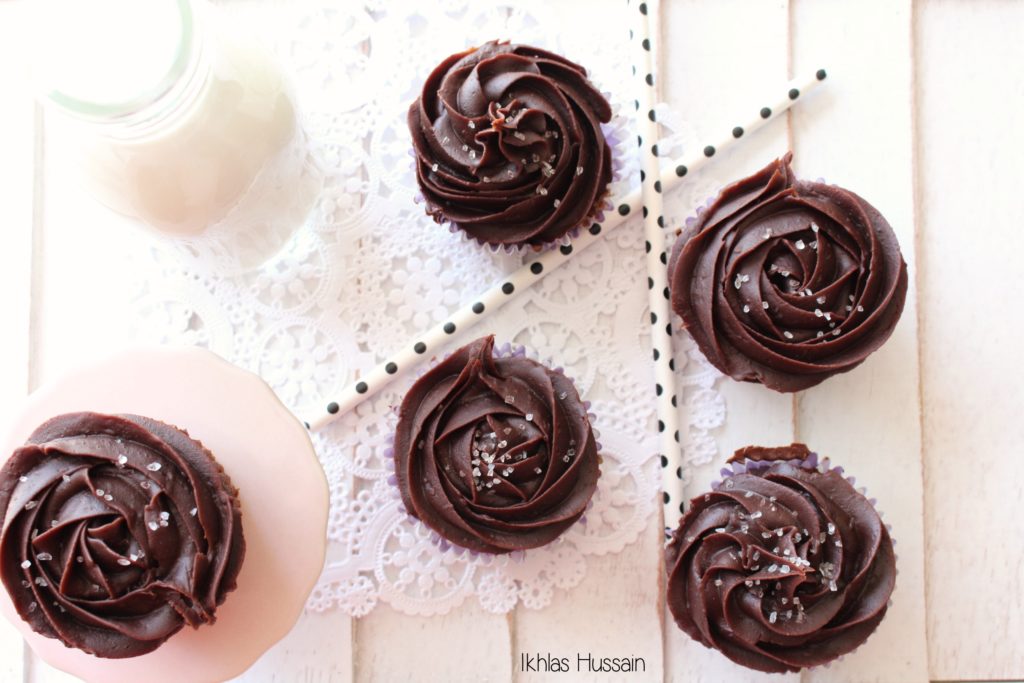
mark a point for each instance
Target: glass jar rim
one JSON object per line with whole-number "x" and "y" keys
{"x": 176, "y": 71}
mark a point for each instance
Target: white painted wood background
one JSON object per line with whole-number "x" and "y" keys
{"x": 921, "y": 116}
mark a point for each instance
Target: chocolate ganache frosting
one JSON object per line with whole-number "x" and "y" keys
{"x": 509, "y": 145}
{"x": 787, "y": 282}
{"x": 782, "y": 566}
{"x": 495, "y": 453}
{"x": 118, "y": 530}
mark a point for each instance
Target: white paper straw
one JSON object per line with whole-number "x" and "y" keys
{"x": 421, "y": 347}
{"x": 641, "y": 34}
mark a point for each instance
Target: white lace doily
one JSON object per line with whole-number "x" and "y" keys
{"x": 370, "y": 269}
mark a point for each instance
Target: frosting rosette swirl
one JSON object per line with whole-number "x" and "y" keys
{"x": 787, "y": 282}
{"x": 783, "y": 565}
{"x": 509, "y": 146}
{"x": 495, "y": 453}
{"x": 118, "y": 531}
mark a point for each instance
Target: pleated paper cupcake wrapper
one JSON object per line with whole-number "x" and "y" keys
{"x": 505, "y": 350}
{"x": 822, "y": 465}
{"x": 615, "y": 137}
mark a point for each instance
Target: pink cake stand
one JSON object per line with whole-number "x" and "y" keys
{"x": 283, "y": 492}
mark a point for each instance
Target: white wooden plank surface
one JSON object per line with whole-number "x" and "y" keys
{"x": 466, "y": 645}
{"x": 858, "y": 134}
{"x": 707, "y": 79}
{"x": 17, "y": 179}
{"x": 970, "y": 98}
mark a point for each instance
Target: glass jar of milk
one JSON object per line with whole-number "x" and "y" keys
{"x": 180, "y": 122}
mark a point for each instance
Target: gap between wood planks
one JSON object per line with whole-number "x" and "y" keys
{"x": 918, "y": 208}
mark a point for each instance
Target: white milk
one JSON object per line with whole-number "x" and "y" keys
{"x": 177, "y": 122}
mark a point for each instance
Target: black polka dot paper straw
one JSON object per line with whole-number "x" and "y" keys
{"x": 795, "y": 91}
{"x": 642, "y": 16}
{"x": 424, "y": 345}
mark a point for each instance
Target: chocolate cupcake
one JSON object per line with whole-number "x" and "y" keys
{"x": 783, "y": 565}
{"x": 787, "y": 282}
{"x": 495, "y": 452}
{"x": 118, "y": 530}
{"x": 509, "y": 146}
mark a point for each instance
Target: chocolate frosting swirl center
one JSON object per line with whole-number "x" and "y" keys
{"x": 495, "y": 453}
{"x": 787, "y": 282}
{"x": 509, "y": 145}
